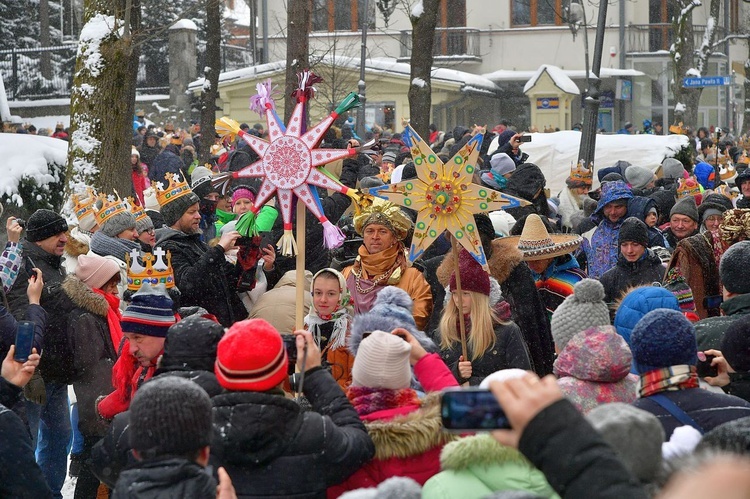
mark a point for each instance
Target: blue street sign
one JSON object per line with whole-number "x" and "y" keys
{"x": 706, "y": 81}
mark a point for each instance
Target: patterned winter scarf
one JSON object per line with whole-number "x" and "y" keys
{"x": 367, "y": 400}
{"x": 668, "y": 379}
{"x": 103, "y": 245}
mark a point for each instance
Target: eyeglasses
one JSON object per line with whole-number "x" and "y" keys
{"x": 150, "y": 231}
{"x": 714, "y": 218}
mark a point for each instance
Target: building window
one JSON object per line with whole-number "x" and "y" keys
{"x": 536, "y": 12}
{"x": 340, "y": 15}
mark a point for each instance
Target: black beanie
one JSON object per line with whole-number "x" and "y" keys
{"x": 191, "y": 344}
{"x": 173, "y": 210}
{"x": 734, "y": 268}
{"x": 170, "y": 416}
{"x": 735, "y": 345}
{"x": 633, "y": 230}
{"x": 43, "y": 224}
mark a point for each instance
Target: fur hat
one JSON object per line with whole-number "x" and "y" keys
{"x": 583, "y": 309}
{"x": 686, "y": 206}
{"x": 638, "y": 176}
{"x": 191, "y": 344}
{"x": 170, "y": 416}
{"x": 150, "y": 312}
{"x": 734, "y": 268}
{"x": 634, "y": 434}
{"x": 392, "y": 309}
{"x": 663, "y": 338}
{"x": 672, "y": 168}
{"x": 473, "y": 276}
{"x": 43, "y": 224}
{"x": 634, "y": 230}
{"x": 251, "y": 357}
{"x": 382, "y": 361}
{"x": 95, "y": 271}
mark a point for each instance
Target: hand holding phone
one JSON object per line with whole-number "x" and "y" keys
{"x": 472, "y": 409}
{"x": 17, "y": 373}
{"x": 704, "y": 366}
{"x": 28, "y": 265}
{"x": 524, "y": 138}
{"x": 24, "y": 341}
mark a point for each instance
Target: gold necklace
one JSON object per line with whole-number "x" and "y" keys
{"x": 375, "y": 282}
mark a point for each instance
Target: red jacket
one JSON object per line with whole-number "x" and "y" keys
{"x": 408, "y": 439}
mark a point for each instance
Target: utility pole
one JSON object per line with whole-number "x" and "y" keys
{"x": 364, "y": 18}
{"x": 591, "y": 100}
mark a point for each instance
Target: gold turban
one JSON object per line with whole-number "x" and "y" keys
{"x": 386, "y": 214}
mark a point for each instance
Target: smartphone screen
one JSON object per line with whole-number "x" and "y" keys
{"x": 24, "y": 341}
{"x": 524, "y": 138}
{"x": 290, "y": 343}
{"x": 704, "y": 367}
{"x": 472, "y": 409}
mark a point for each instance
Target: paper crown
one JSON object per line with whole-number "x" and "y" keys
{"x": 154, "y": 269}
{"x": 176, "y": 189}
{"x": 688, "y": 187}
{"x": 580, "y": 173}
{"x": 727, "y": 172}
{"x": 137, "y": 210}
{"x": 84, "y": 205}
{"x": 110, "y": 208}
{"x": 725, "y": 190}
{"x": 678, "y": 129}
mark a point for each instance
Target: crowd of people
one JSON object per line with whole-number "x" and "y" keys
{"x": 165, "y": 360}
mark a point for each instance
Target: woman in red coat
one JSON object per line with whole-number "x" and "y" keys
{"x": 407, "y": 431}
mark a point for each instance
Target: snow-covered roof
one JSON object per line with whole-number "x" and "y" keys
{"x": 27, "y": 156}
{"x": 377, "y": 65}
{"x": 577, "y": 74}
{"x": 184, "y": 24}
{"x": 559, "y": 78}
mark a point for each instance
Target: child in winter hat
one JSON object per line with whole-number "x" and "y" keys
{"x": 382, "y": 361}
{"x": 663, "y": 338}
{"x": 583, "y": 309}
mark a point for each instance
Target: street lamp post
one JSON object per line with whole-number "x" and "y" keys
{"x": 361, "y": 86}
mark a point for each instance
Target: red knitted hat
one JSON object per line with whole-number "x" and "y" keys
{"x": 251, "y": 357}
{"x": 473, "y": 276}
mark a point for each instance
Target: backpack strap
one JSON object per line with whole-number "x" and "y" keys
{"x": 675, "y": 411}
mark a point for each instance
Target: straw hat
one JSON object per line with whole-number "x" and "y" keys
{"x": 535, "y": 243}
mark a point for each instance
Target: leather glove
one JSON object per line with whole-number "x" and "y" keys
{"x": 34, "y": 390}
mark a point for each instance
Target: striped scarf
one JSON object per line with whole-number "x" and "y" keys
{"x": 668, "y": 379}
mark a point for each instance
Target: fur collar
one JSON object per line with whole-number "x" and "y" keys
{"x": 75, "y": 247}
{"x": 410, "y": 434}
{"x": 83, "y": 297}
{"x": 501, "y": 264}
{"x": 482, "y": 450}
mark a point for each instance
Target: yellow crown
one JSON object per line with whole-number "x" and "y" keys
{"x": 724, "y": 190}
{"x": 176, "y": 189}
{"x": 582, "y": 174}
{"x": 154, "y": 269}
{"x": 678, "y": 129}
{"x": 109, "y": 208}
{"x": 84, "y": 206}
{"x": 688, "y": 187}
{"x": 727, "y": 171}
{"x": 136, "y": 209}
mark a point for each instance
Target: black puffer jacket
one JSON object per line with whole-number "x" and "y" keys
{"x": 166, "y": 479}
{"x": 646, "y": 271}
{"x": 271, "y": 448}
{"x": 203, "y": 275}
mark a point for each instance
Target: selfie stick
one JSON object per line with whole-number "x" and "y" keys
{"x": 461, "y": 325}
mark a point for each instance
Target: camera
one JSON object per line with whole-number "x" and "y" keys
{"x": 472, "y": 409}
{"x": 524, "y": 138}
{"x": 290, "y": 344}
{"x": 21, "y": 222}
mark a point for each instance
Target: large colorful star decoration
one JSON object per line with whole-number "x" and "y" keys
{"x": 291, "y": 164}
{"x": 444, "y": 196}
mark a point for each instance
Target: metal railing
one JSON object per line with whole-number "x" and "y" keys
{"x": 449, "y": 42}
{"x": 660, "y": 36}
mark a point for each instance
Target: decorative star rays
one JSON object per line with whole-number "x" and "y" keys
{"x": 445, "y": 197}
{"x": 290, "y": 164}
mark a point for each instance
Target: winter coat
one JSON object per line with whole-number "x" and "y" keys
{"x": 148, "y": 154}
{"x": 528, "y": 182}
{"x": 112, "y": 453}
{"x": 56, "y": 364}
{"x": 407, "y": 439}
{"x": 672, "y": 240}
{"x": 93, "y": 353}
{"x": 474, "y": 467}
{"x": 601, "y": 247}
{"x": 593, "y": 369}
{"x": 638, "y": 207}
{"x": 694, "y": 256}
{"x": 165, "y": 162}
{"x": 570, "y": 208}
{"x": 508, "y": 352}
{"x": 557, "y": 281}
{"x": 166, "y": 478}
{"x": 271, "y": 448}
{"x": 708, "y": 409}
{"x": 527, "y": 310}
{"x": 203, "y": 275}
{"x": 20, "y": 476}
{"x": 709, "y": 332}
{"x": 574, "y": 458}
{"x": 278, "y": 305}
{"x": 638, "y": 303}
{"x": 9, "y": 326}
{"x": 646, "y": 270}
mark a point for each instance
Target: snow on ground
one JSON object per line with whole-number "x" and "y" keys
{"x": 555, "y": 152}
{"x": 28, "y": 155}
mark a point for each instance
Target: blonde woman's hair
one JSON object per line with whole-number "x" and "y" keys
{"x": 483, "y": 320}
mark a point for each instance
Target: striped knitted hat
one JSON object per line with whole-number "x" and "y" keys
{"x": 251, "y": 357}
{"x": 676, "y": 284}
{"x": 149, "y": 313}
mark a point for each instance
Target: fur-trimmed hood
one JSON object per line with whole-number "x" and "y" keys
{"x": 410, "y": 434}
{"x": 480, "y": 450}
{"x": 84, "y": 297}
{"x": 501, "y": 264}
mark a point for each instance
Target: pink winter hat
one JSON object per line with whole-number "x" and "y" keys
{"x": 95, "y": 271}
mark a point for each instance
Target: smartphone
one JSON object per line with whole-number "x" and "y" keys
{"x": 29, "y": 267}
{"x": 472, "y": 409}
{"x": 24, "y": 341}
{"x": 712, "y": 301}
{"x": 704, "y": 367}
{"x": 266, "y": 238}
{"x": 524, "y": 138}
{"x": 290, "y": 343}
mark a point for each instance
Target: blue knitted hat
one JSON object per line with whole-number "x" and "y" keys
{"x": 149, "y": 313}
{"x": 663, "y": 338}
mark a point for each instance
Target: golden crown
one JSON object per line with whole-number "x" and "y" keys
{"x": 137, "y": 210}
{"x": 678, "y": 129}
{"x": 83, "y": 205}
{"x": 154, "y": 269}
{"x": 176, "y": 189}
{"x": 582, "y": 174}
{"x": 725, "y": 190}
{"x": 110, "y": 208}
{"x": 688, "y": 187}
{"x": 727, "y": 171}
